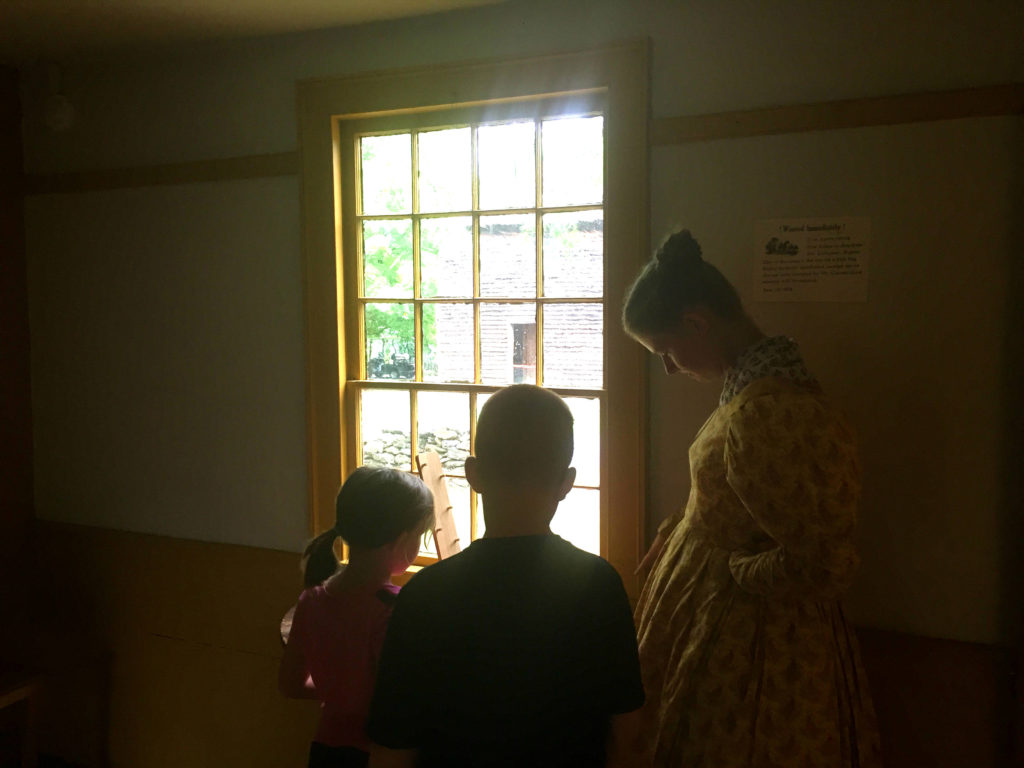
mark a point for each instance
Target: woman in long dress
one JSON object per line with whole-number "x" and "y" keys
{"x": 747, "y": 658}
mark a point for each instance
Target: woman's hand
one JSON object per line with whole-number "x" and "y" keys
{"x": 664, "y": 531}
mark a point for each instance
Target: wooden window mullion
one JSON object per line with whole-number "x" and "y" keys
{"x": 539, "y": 243}
{"x": 414, "y": 418}
{"x": 473, "y": 499}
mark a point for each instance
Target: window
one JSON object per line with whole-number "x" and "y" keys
{"x": 469, "y": 238}
{"x": 466, "y": 229}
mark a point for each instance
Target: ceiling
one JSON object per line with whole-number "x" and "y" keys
{"x": 42, "y": 29}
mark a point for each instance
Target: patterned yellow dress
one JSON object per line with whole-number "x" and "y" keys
{"x": 747, "y": 659}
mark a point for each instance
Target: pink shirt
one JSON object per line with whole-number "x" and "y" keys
{"x": 340, "y": 635}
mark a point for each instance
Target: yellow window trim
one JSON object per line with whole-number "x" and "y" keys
{"x": 620, "y": 74}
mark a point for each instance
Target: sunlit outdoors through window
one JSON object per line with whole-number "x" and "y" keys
{"x": 481, "y": 263}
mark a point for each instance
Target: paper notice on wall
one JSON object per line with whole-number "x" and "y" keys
{"x": 812, "y": 259}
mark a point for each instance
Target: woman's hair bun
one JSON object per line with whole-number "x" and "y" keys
{"x": 675, "y": 280}
{"x": 680, "y": 252}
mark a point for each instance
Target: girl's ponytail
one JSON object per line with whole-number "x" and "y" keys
{"x": 318, "y": 560}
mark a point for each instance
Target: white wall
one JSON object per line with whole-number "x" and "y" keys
{"x": 167, "y": 341}
{"x": 167, "y": 361}
{"x": 920, "y": 366}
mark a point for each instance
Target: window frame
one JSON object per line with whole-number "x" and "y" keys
{"x": 327, "y": 108}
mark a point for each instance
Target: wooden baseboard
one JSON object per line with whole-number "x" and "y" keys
{"x": 941, "y": 703}
{"x": 218, "y": 169}
{"x": 174, "y": 612}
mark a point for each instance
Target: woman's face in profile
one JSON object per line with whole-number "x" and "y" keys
{"x": 684, "y": 350}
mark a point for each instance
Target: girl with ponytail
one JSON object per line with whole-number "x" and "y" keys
{"x": 342, "y": 615}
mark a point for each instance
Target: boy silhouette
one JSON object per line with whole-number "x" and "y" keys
{"x": 520, "y": 650}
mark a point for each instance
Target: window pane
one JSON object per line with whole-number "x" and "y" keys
{"x": 507, "y": 167}
{"x": 524, "y": 353}
{"x": 387, "y": 259}
{"x": 427, "y": 546}
{"x": 448, "y": 343}
{"x": 497, "y": 340}
{"x": 446, "y": 257}
{"x": 458, "y": 495}
{"x": 384, "y": 428}
{"x": 578, "y": 519}
{"x": 445, "y": 166}
{"x": 574, "y": 254}
{"x": 573, "y": 345}
{"x": 390, "y": 341}
{"x": 586, "y": 456}
{"x": 443, "y": 426}
{"x": 573, "y": 159}
{"x": 508, "y": 256}
{"x": 481, "y": 524}
{"x": 386, "y": 164}
{"x": 481, "y": 398}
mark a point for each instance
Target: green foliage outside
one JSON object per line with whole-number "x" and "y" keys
{"x": 387, "y": 272}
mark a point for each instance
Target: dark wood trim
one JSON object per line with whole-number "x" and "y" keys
{"x": 835, "y": 115}
{"x": 222, "y": 169}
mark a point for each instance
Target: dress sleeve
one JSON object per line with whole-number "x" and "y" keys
{"x": 792, "y": 462}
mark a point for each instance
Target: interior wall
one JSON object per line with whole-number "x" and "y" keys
{"x": 191, "y": 680}
{"x": 169, "y": 362}
{"x": 167, "y": 343}
{"x": 193, "y": 630}
{"x": 919, "y": 366}
{"x": 166, "y": 321}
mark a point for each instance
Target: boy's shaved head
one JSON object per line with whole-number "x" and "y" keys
{"x": 524, "y": 437}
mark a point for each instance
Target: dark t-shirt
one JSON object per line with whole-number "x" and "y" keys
{"x": 513, "y": 652}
